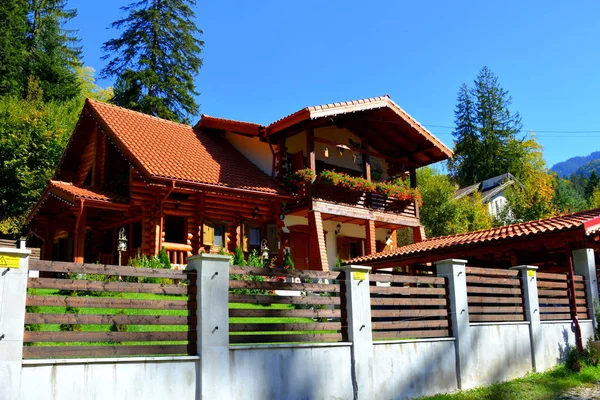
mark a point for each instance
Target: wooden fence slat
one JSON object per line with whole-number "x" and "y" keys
{"x": 407, "y": 279}
{"x": 491, "y": 271}
{"x": 494, "y": 299}
{"x": 310, "y": 313}
{"x": 549, "y": 317}
{"x": 408, "y": 313}
{"x": 561, "y": 309}
{"x": 406, "y": 290}
{"x": 70, "y": 284}
{"x": 559, "y": 285}
{"x": 333, "y": 275}
{"x": 559, "y": 300}
{"x": 492, "y": 290}
{"x": 313, "y": 337}
{"x": 68, "y": 267}
{"x": 391, "y": 301}
{"x": 266, "y": 299}
{"x": 104, "y": 319}
{"x": 495, "y": 309}
{"x": 105, "y": 351}
{"x": 553, "y": 293}
{"x": 37, "y": 336}
{"x": 282, "y": 327}
{"x": 557, "y": 277}
{"x": 410, "y": 334}
{"x": 304, "y": 287}
{"x": 108, "y": 302}
{"x": 397, "y": 325}
{"x": 493, "y": 281}
{"x": 495, "y": 317}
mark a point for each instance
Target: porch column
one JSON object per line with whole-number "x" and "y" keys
{"x": 585, "y": 264}
{"x": 370, "y": 237}
{"x": 317, "y": 253}
{"x": 532, "y": 312}
{"x": 79, "y": 236}
{"x": 233, "y": 235}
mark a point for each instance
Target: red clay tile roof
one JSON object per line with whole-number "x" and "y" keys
{"x": 587, "y": 220}
{"x": 247, "y": 128}
{"x": 70, "y": 192}
{"x": 165, "y": 149}
{"x": 344, "y": 107}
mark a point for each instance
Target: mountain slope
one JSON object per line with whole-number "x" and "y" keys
{"x": 570, "y": 166}
{"x": 587, "y": 168}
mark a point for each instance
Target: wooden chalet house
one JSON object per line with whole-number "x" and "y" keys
{"x": 223, "y": 184}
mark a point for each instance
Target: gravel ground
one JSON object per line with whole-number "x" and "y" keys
{"x": 582, "y": 393}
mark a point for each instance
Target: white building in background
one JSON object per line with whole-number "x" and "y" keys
{"x": 492, "y": 192}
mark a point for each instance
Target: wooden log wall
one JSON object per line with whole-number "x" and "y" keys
{"x": 405, "y": 306}
{"x": 315, "y": 316}
{"x": 198, "y": 208}
{"x": 113, "y": 320}
{"x": 494, "y": 295}
{"x": 555, "y": 301}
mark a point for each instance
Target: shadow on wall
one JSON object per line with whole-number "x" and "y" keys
{"x": 564, "y": 350}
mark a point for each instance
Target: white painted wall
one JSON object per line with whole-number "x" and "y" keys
{"x": 558, "y": 337}
{"x": 98, "y": 379}
{"x": 496, "y": 204}
{"x": 291, "y": 372}
{"x": 413, "y": 368}
{"x": 500, "y": 352}
{"x": 256, "y": 151}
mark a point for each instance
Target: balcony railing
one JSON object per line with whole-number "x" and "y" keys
{"x": 177, "y": 252}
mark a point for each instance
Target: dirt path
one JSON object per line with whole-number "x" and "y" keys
{"x": 582, "y": 393}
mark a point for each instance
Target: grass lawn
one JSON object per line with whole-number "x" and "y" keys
{"x": 541, "y": 386}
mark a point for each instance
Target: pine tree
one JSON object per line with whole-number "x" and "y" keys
{"x": 13, "y": 34}
{"x": 592, "y": 183}
{"x": 156, "y": 58}
{"x": 53, "y": 55}
{"x": 486, "y": 132}
{"x": 467, "y": 139}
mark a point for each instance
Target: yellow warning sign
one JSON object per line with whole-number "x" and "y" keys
{"x": 531, "y": 273}
{"x": 7, "y": 261}
{"x": 359, "y": 276}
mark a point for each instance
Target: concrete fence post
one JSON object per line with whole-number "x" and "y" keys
{"x": 14, "y": 267}
{"x": 532, "y": 313}
{"x": 358, "y": 312}
{"x": 455, "y": 271}
{"x": 212, "y": 328}
{"x": 584, "y": 264}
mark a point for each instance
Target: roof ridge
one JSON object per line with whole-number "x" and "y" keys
{"x": 114, "y": 106}
{"x": 231, "y": 120}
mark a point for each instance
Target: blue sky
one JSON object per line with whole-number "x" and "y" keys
{"x": 265, "y": 59}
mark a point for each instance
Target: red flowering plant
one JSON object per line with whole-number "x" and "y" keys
{"x": 346, "y": 181}
{"x": 301, "y": 176}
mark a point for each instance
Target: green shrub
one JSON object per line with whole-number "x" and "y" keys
{"x": 573, "y": 361}
{"x": 590, "y": 354}
{"x": 254, "y": 260}
{"x": 238, "y": 257}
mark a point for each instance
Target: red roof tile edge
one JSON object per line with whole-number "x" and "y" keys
{"x": 588, "y": 220}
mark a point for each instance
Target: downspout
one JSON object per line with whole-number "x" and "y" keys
{"x": 162, "y": 220}
{"x": 573, "y": 298}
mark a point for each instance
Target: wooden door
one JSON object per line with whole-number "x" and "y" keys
{"x": 299, "y": 249}
{"x": 297, "y": 161}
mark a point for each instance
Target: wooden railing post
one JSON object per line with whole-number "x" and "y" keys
{"x": 213, "y": 324}
{"x": 358, "y": 320}
{"x": 531, "y": 305}
{"x": 14, "y": 267}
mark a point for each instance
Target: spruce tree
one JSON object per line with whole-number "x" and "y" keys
{"x": 53, "y": 54}
{"x": 13, "y": 35}
{"x": 156, "y": 58}
{"x": 486, "y": 132}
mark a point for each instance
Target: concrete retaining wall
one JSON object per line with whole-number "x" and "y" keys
{"x": 110, "y": 379}
{"x": 557, "y": 337}
{"x": 500, "y": 352}
{"x": 416, "y": 368}
{"x": 291, "y": 372}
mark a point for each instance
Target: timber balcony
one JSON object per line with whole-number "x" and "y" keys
{"x": 372, "y": 201}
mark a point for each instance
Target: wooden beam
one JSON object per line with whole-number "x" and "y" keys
{"x": 363, "y": 213}
{"x": 403, "y": 160}
{"x": 371, "y": 242}
{"x": 79, "y": 235}
{"x": 317, "y": 252}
